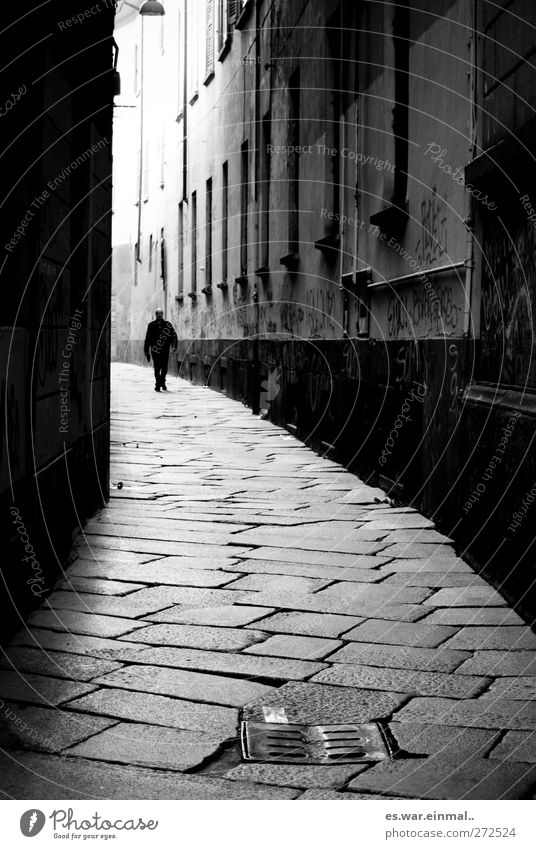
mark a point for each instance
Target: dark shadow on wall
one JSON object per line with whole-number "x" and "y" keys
{"x": 55, "y": 188}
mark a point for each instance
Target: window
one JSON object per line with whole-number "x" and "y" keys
{"x": 225, "y": 222}
{"x": 294, "y": 164}
{"x": 208, "y": 234}
{"x": 137, "y": 70}
{"x": 194, "y": 35}
{"x": 400, "y": 112}
{"x": 244, "y": 187}
{"x": 209, "y": 64}
{"x": 145, "y": 186}
{"x": 163, "y": 259}
{"x": 343, "y": 52}
{"x": 181, "y": 251}
{"x": 151, "y": 252}
{"x": 234, "y": 7}
{"x": 194, "y": 242}
{"x": 162, "y": 157}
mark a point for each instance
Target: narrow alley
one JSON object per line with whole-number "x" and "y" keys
{"x": 236, "y": 570}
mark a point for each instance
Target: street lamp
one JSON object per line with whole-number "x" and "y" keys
{"x": 152, "y": 7}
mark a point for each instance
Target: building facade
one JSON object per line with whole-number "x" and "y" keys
{"x": 323, "y": 189}
{"x": 55, "y": 172}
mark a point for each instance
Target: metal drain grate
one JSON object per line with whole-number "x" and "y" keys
{"x": 313, "y": 744}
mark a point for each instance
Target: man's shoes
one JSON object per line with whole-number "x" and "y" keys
{"x": 157, "y": 389}
{"x": 164, "y": 387}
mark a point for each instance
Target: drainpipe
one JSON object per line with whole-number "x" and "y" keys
{"x": 185, "y": 104}
{"x": 258, "y": 135}
{"x": 470, "y": 255}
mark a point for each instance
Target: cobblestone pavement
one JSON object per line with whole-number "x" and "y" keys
{"x": 235, "y": 567}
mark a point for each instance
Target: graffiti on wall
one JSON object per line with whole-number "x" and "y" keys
{"x": 410, "y": 312}
{"x": 12, "y": 406}
{"x": 432, "y": 242}
{"x": 508, "y": 284}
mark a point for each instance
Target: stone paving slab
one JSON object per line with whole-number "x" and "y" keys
{"x": 503, "y": 637}
{"x": 427, "y": 564}
{"x": 233, "y": 664}
{"x": 47, "y": 729}
{"x": 402, "y": 634}
{"x": 193, "y": 636}
{"x": 184, "y": 684}
{"x": 152, "y": 709}
{"x": 228, "y": 616}
{"x": 292, "y": 646}
{"x": 401, "y": 657}
{"x": 164, "y": 598}
{"x": 523, "y": 688}
{"x": 499, "y": 663}
{"x": 279, "y": 584}
{"x": 328, "y": 573}
{"x": 79, "y": 644}
{"x": 473, "y": 616}
{"x": 101, "y": 546}
{"x": 77, "y": 583}
{"x": 420, "y": 738}
{"x": 332, "y": 795}
{"x": 448, "y": 778}
{"x": 162, "y": 519}
{"x": 516, "y": 746}
{"x": 404, "y": 681}
{"x": 482, "y": 596}
{"x": 310, "y": 624}
{"x": 169, "y": 531}
{"x": 161, "y": 570}
{"x": 477, "y": 713}
{"x": 77, "y": 622}
{"x": 318, "y": 703}
{"x": 296, "y": 775}
{"x": 148, "y": 745}
{"x": 416, "y": 536}
{"x": 40, "y": 689}
{"x": 328, "y": 558}
{"x": 434, "y": 580}
{"x": 59, "y": 664}
{"x": 375, "y": 594}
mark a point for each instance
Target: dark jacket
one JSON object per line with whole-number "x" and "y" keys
{"x": 160, "y": 337}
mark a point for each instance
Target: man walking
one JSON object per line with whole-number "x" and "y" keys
{"x": 160, "y": 337}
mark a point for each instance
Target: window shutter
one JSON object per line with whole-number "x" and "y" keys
{"x": 210, "y": 37}
{"x": 233, "y": 10}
